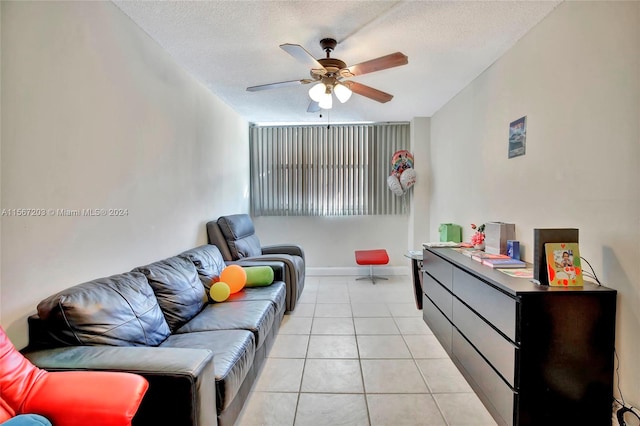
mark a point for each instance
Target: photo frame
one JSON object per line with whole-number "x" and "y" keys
{"x": 563, "y": 264}
{"x": 541, "y": 236}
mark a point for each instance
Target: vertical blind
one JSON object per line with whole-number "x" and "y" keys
{"x": 319, "y": 171}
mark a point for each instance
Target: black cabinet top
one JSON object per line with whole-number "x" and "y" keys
{"x": 510, "y": 285}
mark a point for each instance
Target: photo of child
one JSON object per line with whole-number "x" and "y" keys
{"x": 563, "y": 264}
{"x": 563, "y": 258}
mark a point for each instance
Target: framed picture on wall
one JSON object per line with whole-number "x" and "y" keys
{"x": 517, "y": 137}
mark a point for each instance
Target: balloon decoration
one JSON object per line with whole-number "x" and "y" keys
{"x": 408, "y": 179}
{"x": 402, "y": 176}
{"x": 235, "y": 277}
{"x": 394, "y": 185}
{"x": 219, "y": 291}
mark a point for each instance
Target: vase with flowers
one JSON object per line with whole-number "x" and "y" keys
{"x": 477, "y": 239}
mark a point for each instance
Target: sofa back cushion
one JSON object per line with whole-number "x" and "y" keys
{"x": 240, "y": 235}
{"x": 217, "y": 238}
{"x": 177, "y": 287}
{"x": 120, "y": 310}
{"x": 208, "y": 262}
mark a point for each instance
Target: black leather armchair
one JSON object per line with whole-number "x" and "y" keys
{"x": 236, "y": 239}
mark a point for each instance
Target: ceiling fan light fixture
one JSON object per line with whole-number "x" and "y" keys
{"x": 317, "y": 92}
{"x": 343, "y": 93}
{"x": 326, "y": 102}
{"x": 327, "y": 73}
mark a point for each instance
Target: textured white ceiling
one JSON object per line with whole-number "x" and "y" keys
{"x": 230, "y": 45}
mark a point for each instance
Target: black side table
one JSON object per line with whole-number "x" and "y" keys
{"x": 416, "y": 272}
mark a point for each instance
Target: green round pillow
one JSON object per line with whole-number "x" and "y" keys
{"x": 258, "y": 276}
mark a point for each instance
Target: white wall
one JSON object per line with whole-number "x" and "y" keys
{"x": 418, "y": 232}
{"x": 330, "y": 242}
{"x": 96, "y": 115}
{"x": 576, "y": 76}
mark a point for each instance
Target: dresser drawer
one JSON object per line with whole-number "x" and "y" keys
{"x": 439, "y": 295}
{"x": 438, "y": 268}
{"x": 493, "y": 305}
{"x": 500, "y": 352}
{"x": 437, "y": 322}
{"x": 499, "y": 398}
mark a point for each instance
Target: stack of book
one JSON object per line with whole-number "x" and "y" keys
{"x": 494, "y": 260}
{"x": 504, "y": 263}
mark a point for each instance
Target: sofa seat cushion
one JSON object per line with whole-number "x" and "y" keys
{"x": 177, "y": 287}
{"x": 120, "y": 310}
{"x": 256, "y": 316}
{"x": 233, "y": 357}
{"x": 276, "y": 293}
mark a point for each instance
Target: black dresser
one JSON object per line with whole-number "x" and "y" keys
{"x": 535, "y": 355}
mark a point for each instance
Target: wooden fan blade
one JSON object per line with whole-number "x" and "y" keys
{"x": 303, "y": 56}
{"x": 313, "y": 107}
{"x": 369, "y": 92}
{"x": 278, "y": 85}
{"x": 378, "y": 64}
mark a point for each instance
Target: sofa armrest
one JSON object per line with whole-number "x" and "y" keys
{"x": 181, "y": 381}
{"x": 277, "y": 266}
{"x": 292, "y": 249}
{"x": 75, "y": 398}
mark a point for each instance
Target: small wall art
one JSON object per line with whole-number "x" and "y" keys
{"x": 517, "y": 137}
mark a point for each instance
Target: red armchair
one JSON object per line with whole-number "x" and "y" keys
{"x": 72, "y": 398}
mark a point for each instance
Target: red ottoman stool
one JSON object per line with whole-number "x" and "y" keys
{"x": 370, "y": 258}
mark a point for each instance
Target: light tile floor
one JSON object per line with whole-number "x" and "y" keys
{"x": 353, "y": 353}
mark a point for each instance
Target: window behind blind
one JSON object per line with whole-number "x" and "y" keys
{"x": 320, "y": 171}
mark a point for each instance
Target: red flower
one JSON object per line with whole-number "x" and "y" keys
{"x": 477, "y": 238}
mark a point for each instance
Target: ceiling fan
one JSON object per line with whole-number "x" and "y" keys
{"x": 331, "y": 74}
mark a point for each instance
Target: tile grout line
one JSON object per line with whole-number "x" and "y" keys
{"x": 364, "y": 388}
{"x": 396, "y": 320}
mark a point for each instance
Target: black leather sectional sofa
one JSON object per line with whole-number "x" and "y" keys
{"x": 200, "y": 358}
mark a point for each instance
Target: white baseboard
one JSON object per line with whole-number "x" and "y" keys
{"x": 357, "y": 270}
